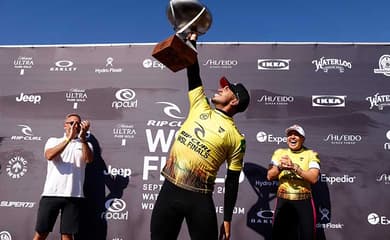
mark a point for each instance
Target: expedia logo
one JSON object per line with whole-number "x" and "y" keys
{"x": 328, "y": 101}
{"x": 273, "y": 64}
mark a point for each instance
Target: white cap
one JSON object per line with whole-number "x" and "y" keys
{"x": 296, "y": 128}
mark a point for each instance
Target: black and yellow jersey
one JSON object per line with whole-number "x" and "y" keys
{"x": 204, "y": 142}
{"x": 292, "y": 186}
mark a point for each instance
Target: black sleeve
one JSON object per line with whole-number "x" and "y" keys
{"x": 193, "y": 74}
{"x": 231, "y": 192}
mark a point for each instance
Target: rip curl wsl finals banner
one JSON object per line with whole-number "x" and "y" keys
{"x": 339, "y": 93}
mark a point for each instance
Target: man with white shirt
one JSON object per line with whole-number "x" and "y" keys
{"x": 66, "y": 157}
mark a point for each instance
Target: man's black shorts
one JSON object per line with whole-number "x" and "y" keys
{"x": 50, "y": 207}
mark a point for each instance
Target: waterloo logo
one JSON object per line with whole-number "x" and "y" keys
{"x": 23, "y": 63}
{"x": 379, "y": 101}
{"x": 27, "y": 134}
{"x": 326, "y": 64}
{"x": 343, "y": 139}
{"x": 63, "y": 66}
{"x": 109, "y": 67}
{"x": 16, "y": 167}
{"x": 275, "y": 100}
{"x": 150, "y": 63}
{"x": 328, "y": 101}
{"x": 76, "y": 96}
{"x": 25, "y": 98}
{"x": 125, "y": 98}
{"x": 384, "y": 65}
{"x": 221, "y": 63}
{"x": 115, "y": 210}
{"x": 124, "y": 132}
{"x": 273, "y": 64}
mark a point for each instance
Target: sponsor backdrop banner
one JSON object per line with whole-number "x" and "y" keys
{"x": 339, "y": 93}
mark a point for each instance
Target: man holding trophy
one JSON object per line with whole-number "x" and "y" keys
{"x": 207, "y": 139}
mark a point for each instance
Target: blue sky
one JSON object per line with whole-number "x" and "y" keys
{"x": 144, "y": 21}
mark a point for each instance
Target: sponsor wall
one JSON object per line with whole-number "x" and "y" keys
{"x": 340, "y": 94}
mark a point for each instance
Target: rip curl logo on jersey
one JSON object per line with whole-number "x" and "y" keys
{"x": 328, "y": 101}
{"x": 115, "y": 210}
{"x": 22, "y": 63}
{"x": 125, "y": 99}
{"x": 379, "y": 101}
{"x": 16, "y": 167}
{"x": 4, "y": 235}
{"x": 273, "y": 64}
{"x": 326, "y": 64}
{"x": 384, "y": 65}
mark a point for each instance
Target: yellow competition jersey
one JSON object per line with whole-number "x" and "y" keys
{"x": 204, "y": 142}
{"x": 292, "y": 186}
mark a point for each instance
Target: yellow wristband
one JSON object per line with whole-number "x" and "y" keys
{"x": 67, "y": 140}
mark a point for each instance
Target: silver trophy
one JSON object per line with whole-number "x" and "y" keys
{"x": 185, "y": 16}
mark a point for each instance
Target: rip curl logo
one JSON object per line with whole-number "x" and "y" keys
{"x": 379, "y": 101}
{"x": 384, "y": 65}
{"x": 326, "y": 64}
{"x": 4, "y": 235}
{"x": 115, "y": 210}
{"x": 171, "y": 110}
{"x": 125, "y": 99}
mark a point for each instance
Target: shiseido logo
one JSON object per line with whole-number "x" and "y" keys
{"x": 379, "y": 101}
{"x": 385, "y": 178}
{"x": 273, "y": 64}
{"x": 343, "y": 139}
{"x": 276, "y": 100}
{"x": 326, "y": 64}
{"x": 384, "y": 65}
{"x": 221, "y": 63}
{"x": 328, "y": 101}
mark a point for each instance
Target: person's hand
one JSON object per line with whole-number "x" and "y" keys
{"x": 224, "y": 231}
{"x": 286, "y": 163}
{"x": 192, "y": 36}
{"x": 84, "y": 127}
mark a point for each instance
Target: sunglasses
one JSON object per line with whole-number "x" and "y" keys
{"x": 73, "y": 122}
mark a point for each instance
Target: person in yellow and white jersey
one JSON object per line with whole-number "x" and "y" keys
{"x": 297, "y": 168}
{"x": 206, "y": 140}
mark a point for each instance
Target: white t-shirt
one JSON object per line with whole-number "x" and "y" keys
{"x": 66, "y": 172}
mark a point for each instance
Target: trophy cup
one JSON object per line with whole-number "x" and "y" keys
{"x": 186, "y": 16}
